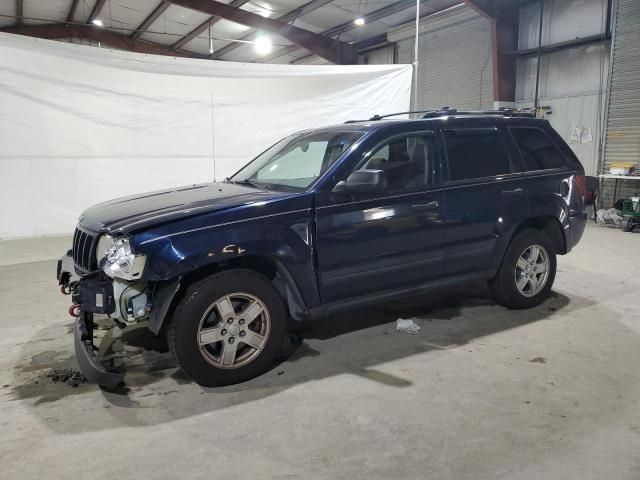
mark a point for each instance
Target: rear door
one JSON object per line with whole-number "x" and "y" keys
{"x": 483, "y": 197}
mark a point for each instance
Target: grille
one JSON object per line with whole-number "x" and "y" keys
{"x": 84, "y": 245}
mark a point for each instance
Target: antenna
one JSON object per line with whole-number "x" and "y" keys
{"x": 213, "y": 143}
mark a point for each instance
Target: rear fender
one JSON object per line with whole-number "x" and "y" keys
{"x": 553, "y": 224}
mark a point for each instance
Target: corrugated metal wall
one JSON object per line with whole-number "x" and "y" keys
{"x": 573, "y": 80}
{"x": 572, "y": 85}
{"x": 455, "y": 62}
{"x": 623, "y": 126}
{"x": 563, "y": 20}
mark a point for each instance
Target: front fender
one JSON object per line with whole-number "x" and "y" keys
{"x": 285, "y": 238}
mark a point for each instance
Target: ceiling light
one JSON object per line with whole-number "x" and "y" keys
{"x": 359, "y": 21}
{"x": 263, "y": 45}
{"x": 263, "y": 12}
{"x": 97, "y": 22}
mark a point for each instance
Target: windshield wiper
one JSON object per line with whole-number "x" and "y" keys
{"x": 250, "y": 183}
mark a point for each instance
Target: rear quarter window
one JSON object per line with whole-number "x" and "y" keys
{"x": 537, "y": 149}
{"x": 475, "y": 154}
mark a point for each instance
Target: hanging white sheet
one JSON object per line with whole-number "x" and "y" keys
{"x": 80, "y": 125}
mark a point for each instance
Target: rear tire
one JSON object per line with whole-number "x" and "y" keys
{"x": 527, "y": 271}
{"x": 215, "y": 318}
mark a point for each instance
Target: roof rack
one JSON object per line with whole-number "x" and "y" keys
{"x": 505, "y": 112}
{"x": 380, "y": 117}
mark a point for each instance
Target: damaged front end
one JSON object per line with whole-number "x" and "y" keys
{"x": 101, "y": 276}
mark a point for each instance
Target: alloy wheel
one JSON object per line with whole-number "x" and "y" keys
{"x": 532, "y": 270}
{"x": 233, "y": 330}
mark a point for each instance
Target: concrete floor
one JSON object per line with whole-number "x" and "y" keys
{"x": 480, "y": 393}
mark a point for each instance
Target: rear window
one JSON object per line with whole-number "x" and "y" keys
{"x": 538, "y": 151}
{"x": 475, "y": 154}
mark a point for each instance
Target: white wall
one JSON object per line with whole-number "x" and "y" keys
{"x": 81, "y": 125}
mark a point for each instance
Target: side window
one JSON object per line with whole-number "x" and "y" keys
{"x": 475, "y": 154}
{"x": 538, "y": 150}
{"x": 408, "y": 162}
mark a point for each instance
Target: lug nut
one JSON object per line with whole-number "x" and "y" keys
{"x": 230, "y": 320}
{"x": 231, "y": 340}
{"x": 243, "y": 333}
{"x": 241, "y": 321}
{"x": 224, "y": 331}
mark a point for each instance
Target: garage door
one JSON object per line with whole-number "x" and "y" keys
{"x": 455, "y": 61}
{"x": 623, "y": 125}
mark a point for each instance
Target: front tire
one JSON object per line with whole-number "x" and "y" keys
{"x": 527, "y": 272}
{"x": 228, "y": 328}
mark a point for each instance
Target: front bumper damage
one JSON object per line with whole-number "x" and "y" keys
{"x": 90, "y": 294}
{"x": 125, "y": 303}
{"x": 86, "y": 356}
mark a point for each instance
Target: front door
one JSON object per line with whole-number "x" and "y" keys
{"x": 389, "y": 240}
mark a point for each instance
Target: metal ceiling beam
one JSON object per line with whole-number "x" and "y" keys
{"x": 204, "y": 26}
{"x": 556, "y": 47}
{"x": 195, "y": 32}
{"x": 19, "y": 12}
{"x": 346, "y": 26}
{"x": 288, "y": 17}
{"x": 102, "y": 35}
{"x": 332, "y": 50}
{"x": 153, "y": 16}
{"x": 72, "y": 10}
{"x": 504, "y": 16}
{"x": 97, "y": 8}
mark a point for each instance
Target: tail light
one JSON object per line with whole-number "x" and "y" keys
{"x": 581, "y": 185}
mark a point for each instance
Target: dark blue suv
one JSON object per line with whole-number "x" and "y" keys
{"x": 325, "y": 220}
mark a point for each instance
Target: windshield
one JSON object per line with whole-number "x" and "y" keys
{"x": 296, "y": 161}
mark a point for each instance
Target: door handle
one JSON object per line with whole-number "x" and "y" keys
{"x": 514, "y": 192}
{"x": 426, "y": 206}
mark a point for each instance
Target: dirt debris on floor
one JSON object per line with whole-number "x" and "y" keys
{"x": 538, "y": 360}
{"x": 68, "y": 376}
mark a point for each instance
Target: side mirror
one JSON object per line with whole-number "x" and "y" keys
{"x": 363, "y": 181}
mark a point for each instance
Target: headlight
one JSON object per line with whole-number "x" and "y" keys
{"x": 117, "y": 260}
{"x": 104, "y": 243}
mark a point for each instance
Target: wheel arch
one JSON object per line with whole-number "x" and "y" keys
{"x": 545, "y": 223}
{"x": 549, "y": 225}
{"x": 266, "y": 265}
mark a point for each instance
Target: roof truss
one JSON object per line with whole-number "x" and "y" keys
{"x": 346, "y": 26}
{"x": 153, "y": 16}
{"x": 289, "y": 17}
{"x": 332, "y": 50}
{"x": 204, "y": 26}
{"x": 90, "y": 32}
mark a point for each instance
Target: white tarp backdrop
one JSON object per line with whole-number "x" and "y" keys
{"x": 80, "y": 125}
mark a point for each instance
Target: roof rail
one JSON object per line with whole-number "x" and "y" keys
{"x": 505, "y": 112}
{"x": 380, "y": 117}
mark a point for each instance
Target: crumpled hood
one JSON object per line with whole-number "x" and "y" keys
{"x": 140, "y": 211}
